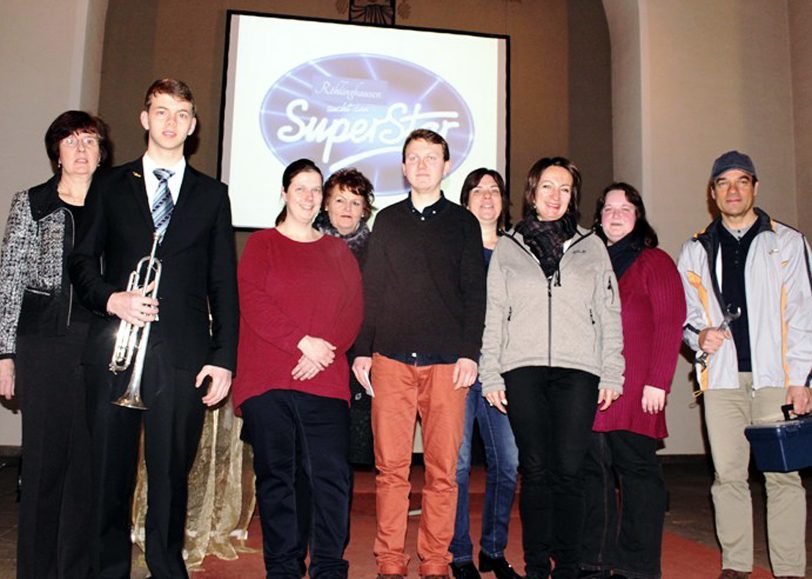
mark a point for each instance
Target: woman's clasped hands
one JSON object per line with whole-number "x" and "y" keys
{"x": 317, "y": 354}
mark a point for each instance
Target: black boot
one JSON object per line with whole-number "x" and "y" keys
{"x": 499, "y": 565}
{"x": 464, "y": 570}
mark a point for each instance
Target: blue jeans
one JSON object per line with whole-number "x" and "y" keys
{"x": 502, "y": 459}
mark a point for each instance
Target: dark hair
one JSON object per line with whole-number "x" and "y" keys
{"x": 71, "y": 122}
{"x": 643, "y": 234}
{"x": 298, "y": 166}
{"x": 534, "y": 176}
{"x": 473, "y": 179}
{"x": 174, "y": 88}
{"x": 428, "y": 136}
{"x": 356, "y": 183}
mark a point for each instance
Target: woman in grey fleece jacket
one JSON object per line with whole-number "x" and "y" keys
{"x": 552, "y": 348}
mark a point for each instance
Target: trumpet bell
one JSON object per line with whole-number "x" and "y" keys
{"x": 131, "y": 401}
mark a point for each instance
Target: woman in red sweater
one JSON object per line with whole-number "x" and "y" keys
{"x": 627, "y": 435}
{"x": 301, "y": 307}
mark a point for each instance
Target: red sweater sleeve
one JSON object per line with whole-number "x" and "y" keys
{"x": 259, "y": 310}
{"x": 667, "y": 300}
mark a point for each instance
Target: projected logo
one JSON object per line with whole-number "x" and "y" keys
{"x": 356, "y": 110}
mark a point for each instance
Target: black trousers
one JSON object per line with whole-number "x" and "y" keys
{"x": 172, "y": 427}
{"x": 551, "y": 411}
{"x": 360, "y": 453}
{"x": 293, "y": 434}
{"x": 56, "y": 500}
{"x": 623, "y": 536}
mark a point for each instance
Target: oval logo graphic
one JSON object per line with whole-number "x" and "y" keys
{"x": 356, "y": 110}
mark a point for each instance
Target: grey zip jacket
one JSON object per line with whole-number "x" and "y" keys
{"x": 571, "y": 320}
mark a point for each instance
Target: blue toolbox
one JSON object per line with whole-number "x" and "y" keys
{"x": 782, "y": 446}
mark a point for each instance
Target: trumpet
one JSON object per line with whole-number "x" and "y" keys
{"x": 131, "y": 341}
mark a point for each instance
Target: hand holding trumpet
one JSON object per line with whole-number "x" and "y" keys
{"x": 133, "y": 306}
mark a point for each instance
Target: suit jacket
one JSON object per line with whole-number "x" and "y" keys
{"x": 198, "y": 260}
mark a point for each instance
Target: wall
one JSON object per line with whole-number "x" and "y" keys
{"x": 691, "y": 80}
{"x": 590, "y": 93}
{"x": 50, "y": 54}
{"x": 800, "y": 27}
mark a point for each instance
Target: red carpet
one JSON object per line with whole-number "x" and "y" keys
{"x": 682, "y": 558}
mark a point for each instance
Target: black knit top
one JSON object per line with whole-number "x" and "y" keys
{"x": 424, "y": 284}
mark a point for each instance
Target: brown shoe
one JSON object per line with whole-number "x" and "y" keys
{"x": 731, "y": 574}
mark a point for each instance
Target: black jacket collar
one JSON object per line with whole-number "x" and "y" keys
{"x": 44, "y": 198}
{"x": 710, "y": 241}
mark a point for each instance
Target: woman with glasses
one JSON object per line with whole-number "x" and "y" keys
{"x": 484, "y": 194}
{"x": 42, "y": 333}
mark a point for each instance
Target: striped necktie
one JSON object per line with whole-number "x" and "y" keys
{"x": 162, "y": 206}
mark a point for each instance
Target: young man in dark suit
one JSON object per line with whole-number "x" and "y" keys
{"x": 189, "y": 358}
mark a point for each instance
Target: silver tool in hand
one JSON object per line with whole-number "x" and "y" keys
{"x": 730, "y": 315}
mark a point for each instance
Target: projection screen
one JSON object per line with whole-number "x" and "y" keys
{"x": 347, "y": 95}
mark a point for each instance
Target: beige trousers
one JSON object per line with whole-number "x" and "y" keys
{"x": 727, "y": 413}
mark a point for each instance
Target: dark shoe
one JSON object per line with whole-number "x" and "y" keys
{"x": 465, "y": 570}
{"x": 617, "y": 576}
{"x": 499, "y": 565}
{"x": 731, "y": 574}
{"x": 595, "y": 574}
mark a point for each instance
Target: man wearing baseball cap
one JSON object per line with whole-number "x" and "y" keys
{"x": 757, "y": 271}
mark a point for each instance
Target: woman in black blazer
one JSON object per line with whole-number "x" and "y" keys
{"x": 42, "y": 332}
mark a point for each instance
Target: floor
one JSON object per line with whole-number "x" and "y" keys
{"x": 689, "y": 547}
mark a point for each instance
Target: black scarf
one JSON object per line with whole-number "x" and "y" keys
{"x": 546, "y": 239}
{"x": 624, "y": 252}
{"x": 356, "y": 241}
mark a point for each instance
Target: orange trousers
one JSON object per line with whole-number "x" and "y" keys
{"x": 403, "y": 391}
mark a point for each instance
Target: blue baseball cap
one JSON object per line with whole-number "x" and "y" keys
{"x": 732, "y": 160}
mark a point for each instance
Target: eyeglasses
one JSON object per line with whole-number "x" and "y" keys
{"x": 88, "y": 141}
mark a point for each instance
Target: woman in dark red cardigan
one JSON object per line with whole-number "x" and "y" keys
{"x": 627, "y": 435}
{"x": 301, "y": 308}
